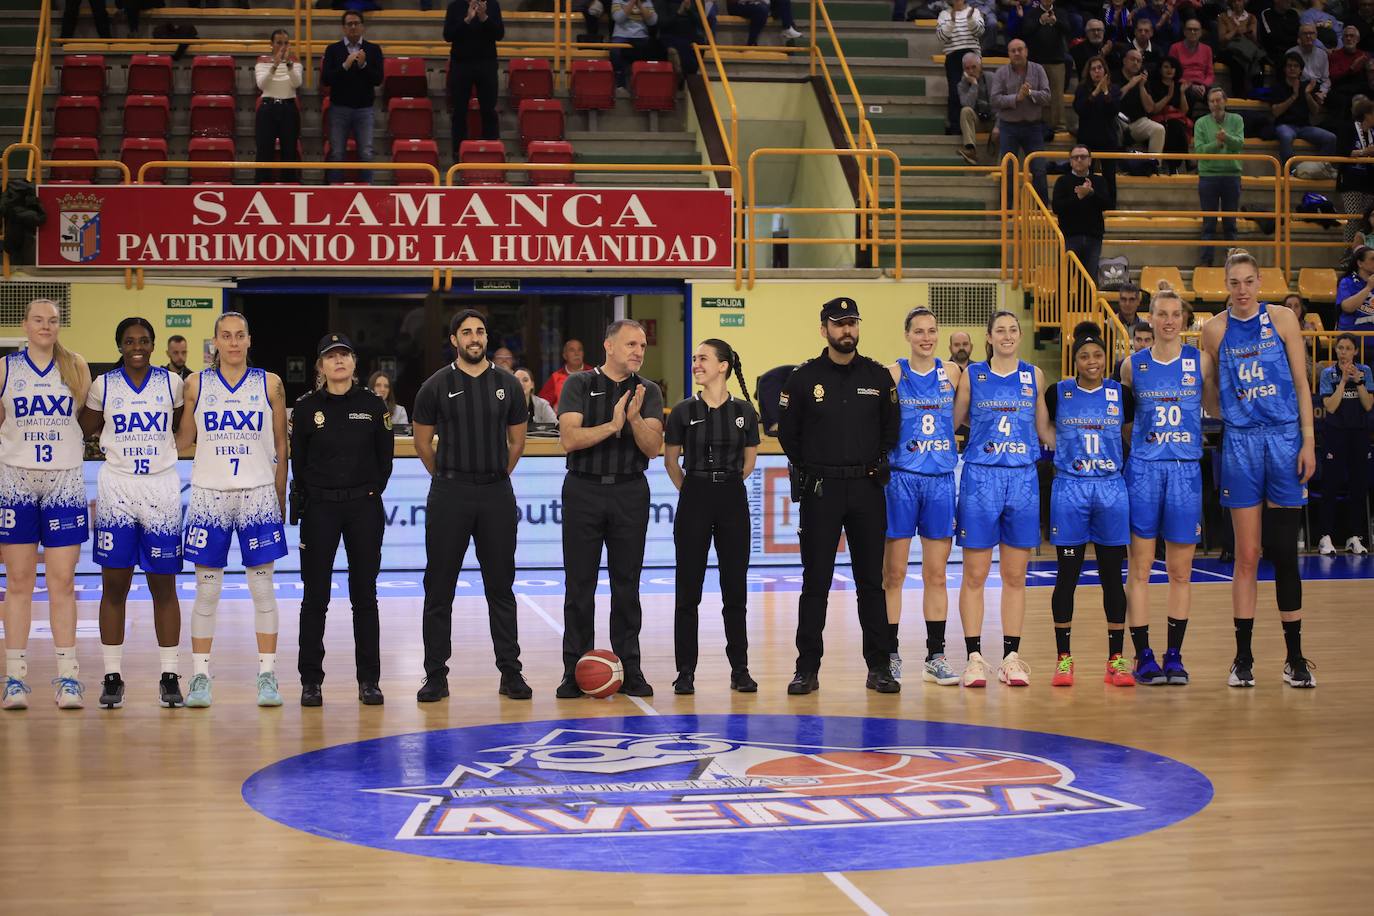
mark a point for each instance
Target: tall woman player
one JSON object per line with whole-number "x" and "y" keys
{"x": 42, "y": 497}
{"x": 999, "y": 496}
{"x": 920, "y": 496}
{"x": 1164, "y": 478}
{"x": 135, "y": 407}
{"x": 1267, "y": 455}
{"x": 236, "y": 415}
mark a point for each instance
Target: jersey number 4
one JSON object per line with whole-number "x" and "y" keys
{"x": 1004, "y": 425}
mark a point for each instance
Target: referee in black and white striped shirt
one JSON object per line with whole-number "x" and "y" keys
{"x": 478, "y": 410}
{"x": 711, "y": 443}
{"x": 610, "y": 423}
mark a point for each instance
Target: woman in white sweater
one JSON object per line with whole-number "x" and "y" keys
{"x": 278, "y": 77}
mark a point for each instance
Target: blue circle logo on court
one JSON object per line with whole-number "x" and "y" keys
{"x": 728, "y": 794}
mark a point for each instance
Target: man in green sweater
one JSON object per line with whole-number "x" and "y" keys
{"x": 1218, "y": 184}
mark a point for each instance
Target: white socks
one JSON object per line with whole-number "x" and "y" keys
{"x": 66, "y": 663}
{"x": 114, "y": 657}
{"x": 200, "y": 663}
{"x": 17, "y": 663}
{"x": 168, "y": 658}
{"x": 267, "y": 663}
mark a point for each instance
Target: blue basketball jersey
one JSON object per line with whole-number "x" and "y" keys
{"x": 925, "y": 442}
{"x": 1087, "y": 435}
{"x": 1002, "y": 416}
{"x": 1256, "y": 383}
{"x": 1168, "y": 406}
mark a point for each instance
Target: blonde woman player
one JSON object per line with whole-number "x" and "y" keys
{"x": 236, "y": 415}
{"x": 42, "y": 497}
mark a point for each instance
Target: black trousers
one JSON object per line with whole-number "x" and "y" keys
{"x": 99, "y": 15}
{"x": 707, "y": 510}
{"x": 456, "y": 513}
{"x": 1345, "y": 472}
{"x": 278, "y": 121}
{"x": 616, "y": 515}
{"x": 359, "y": 522}
{"x": 859, "y": 507}
{"x": 464, "y": 75}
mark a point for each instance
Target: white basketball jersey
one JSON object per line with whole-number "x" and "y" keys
{"x": 40, "y": 429}
{"x": 137, "y": 438}
{"x": 235, "y": 449}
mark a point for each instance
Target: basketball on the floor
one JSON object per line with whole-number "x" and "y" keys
{"x": 599, "y": 673}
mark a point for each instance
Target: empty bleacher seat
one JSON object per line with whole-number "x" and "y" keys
{"x": 410, "y": 119}
{"x": 135, "y": 151}
{"x": 1150, "y": 277}
{"x": 550, "y": 151}
{"x": 1317, "y": 284}
{"x": 593, "y": 85}
{"x": 1209, "y": 284}
{"x": 211, "y": 149}
{"x": 146, "y": 116}
{"x": 77, "y": 116}
{"x": 213, "y": 74}
{"x": 415, "y": 151}
{"x": 482, "y": 151}
{"x": 83, "y": 74}
{"x": 530, "y": 78}
{"x": 405, "y": 77}
{"x": 1273, "y": 284}
{"x": 74, "y": 148}
{"x": 212, "y": 116}
{"x": 150, "y": 74}
{"x": 474, "y": 118}
{"x": 653, "y": 84}
{"x": 540, "y": 119}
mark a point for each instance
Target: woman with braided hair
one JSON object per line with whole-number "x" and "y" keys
{"x": 710, "y": 445}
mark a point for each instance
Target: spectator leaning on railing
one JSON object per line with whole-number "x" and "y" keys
{"x": 1218, "y": 183}
{"x": 278, "y": 76}
{"x": 959, "y": 30}
{"x": 353, "y": 69}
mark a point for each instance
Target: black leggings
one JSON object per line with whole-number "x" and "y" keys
{"x": 1110, "y": 561}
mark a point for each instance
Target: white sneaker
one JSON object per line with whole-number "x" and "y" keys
{"x": 1014, "y": 672}
{"x": 70, "y": 693}
{"x": 1327, "y": 549}
{"x": 976, "y": 671}
{"x": 16, "y": 694}
{"x": 894, "y": 664}
{"x": 791, "y": 33}
{"x": 1356, "y": 546}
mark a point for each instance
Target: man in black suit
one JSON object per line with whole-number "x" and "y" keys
{"x": 472, "y": 28}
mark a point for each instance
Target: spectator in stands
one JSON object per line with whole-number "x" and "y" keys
{"x": 1118, "y": 17}
{"x": 1307, "y": 321}
{"x": 1315, "y": 66}
{"x": 353, "y": 69}
{"x": 1355, "y": 183}
{"x": 960, "y": 348}
{"x": 379, "y": 383}
{"x": 536, "y": 408}
{"x": 1128, "y": 304}
{"x": 1347, "y": 64}
{"x": 1080, "y": 200}
{"x": 278, "y": 76}
{"x": 757, "y": 12}
{"x": 1278, "y": 29}
{"x": 1354, "y": 292}
{"x": 1169, "y": 106}
{"x": 1143, "y": 41}
{"x": 1296, "y": 109}
{"x": 632, "y": 20}
{"x": 472, "y": 28}
{"x": 1142, "y": 336}
{"x": 1196, "y": 60}
{"x": 176, "y": 355}
{"x": 1162, "y": 15}
{"x": 99, "y": 15}
{"x": 1218, "y": 184}
{"x": 1046, "y": 34}
{"x": 1364, "y": 232}
{"x": 504, "y": 358}
{"x": 133, "y": 11}
{"x": 1347, "y": 393}
{"x": 959, "y": 29}
{"x": 1328, "y": 26}
{"x": 572, "y": 362}
{"x": 1098, "y": 103}
{"x": 1020, "y": 91}
{"x": 1137, "y": 104}
{"x": 1238, "y": 47}
{"x": 680, "y": 27}
{"x": 1094, "y": 43}
{"x": 1364, "y": 18}
{"x": 975, "y": 106}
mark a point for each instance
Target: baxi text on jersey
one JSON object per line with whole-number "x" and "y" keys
{"x": 144, "y": 421}
{"x": 232, "y": 420}
{"x": 42, "y": 405}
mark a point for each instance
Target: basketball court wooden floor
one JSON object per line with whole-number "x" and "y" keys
{"x": 142, "y": 810}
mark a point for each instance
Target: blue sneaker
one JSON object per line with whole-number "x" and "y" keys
{"x": 198, "y": 697}
{"x": 16, "y": 694}
{"x": 938, "y": 671}
{"x": 70, "y": 693}
{"x": 1147, "y": 670}
{"x": 267, "y": 690}
{"x": 1174, "y": 672}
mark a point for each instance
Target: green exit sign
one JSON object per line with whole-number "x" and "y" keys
{"x": 721, "y": 302}
{"x": 188, "y": 304}
{"x": 732, "y": 321}
{"x": 178, "y": 321}
{"x": 496, "y": 286}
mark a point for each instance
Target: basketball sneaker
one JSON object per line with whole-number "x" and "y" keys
{"x": 894, "y": 664}
{"x": 1325, "y": 547}
{"x": 1118, "y": 672}
{"x": 199, "y": 695}
{"x": 1356, "y": 546}
{"x": 1298, "y": 673}
{"x": 1174, "y": 672}
{"x": 112, "y": 691}
{"x": 976, "y": 671}
{"x": 1147, "y": 670}
{"x": 938, "y": 671}
{"x": 268, "y": 695}
{"x": 1063, "y": 671}
{"x": 16, "y": 694}
{"x": 169, "y": 690}
{"x": 1242, "y": 673}
{"x": 70, "y": 693}
{"x": 1013, "y": 671}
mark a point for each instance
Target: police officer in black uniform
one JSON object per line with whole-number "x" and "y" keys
{"x": 839, "y": 420}
{"x": 478, "y": 410}
{"x": 710, "y": 445}
{"x": 341, "y": 455}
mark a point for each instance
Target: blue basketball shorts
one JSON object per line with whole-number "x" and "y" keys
{"x": 138, "y": 521}
{"x": 1084, "y": 509}
{"x": 1166, "y": 500}
{"x": 920, "y": 503}
{"x": 1259, "y": 464}
{"x": 215, "y": 516}
{"x": 999, "y": 505}
{"x": 39, "y": 506}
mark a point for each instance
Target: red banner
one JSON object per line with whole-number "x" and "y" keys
{"x": 226, "y": 226}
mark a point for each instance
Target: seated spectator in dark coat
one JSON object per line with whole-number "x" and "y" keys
{"x": 1094, "y": 43}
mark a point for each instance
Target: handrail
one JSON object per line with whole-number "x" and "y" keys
{"x": 732, "y": 145}
{"x": 1041, "y": 262}
{"x": 1290, "y": 213}
{"x": 306, "y": 64}
{"x": 1004, "y": 215}
{"x": 32, "y": 130}
{"x": 141, "y": 177}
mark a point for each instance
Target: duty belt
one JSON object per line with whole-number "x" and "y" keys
{"x": 342, "y": 495}
{"x": 827, "y": 471}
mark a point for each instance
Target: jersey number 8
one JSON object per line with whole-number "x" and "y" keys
{"x": 928, "y": 424}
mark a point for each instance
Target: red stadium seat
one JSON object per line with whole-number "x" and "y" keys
{"x": 482, "y": 151}
{"x": 540, "y": 119}
{"x": 405, "y": 77}
{"x": 212, "y": 116}
{"x": 213, "y": 74}
{"x": 76, "y": 116}
{"x": 653, "y": 85}
{"x": 324, "y": 116}
{"x": 74, "y": 148}
{"x": 135, "y": 151}
{"x": 414, "y": 151}
{"x": 83, "y": 74}
{"x": 593, "y": 85}
{"x": 211, "y": 149}
{"x": 410, "y": 119}
{"x": 474, "y": 118}
{"x": 530, "y": 78}
{"x": 551, "y": 151}
{"x": 150, "y": 74}
{"x": 146, "y": 116}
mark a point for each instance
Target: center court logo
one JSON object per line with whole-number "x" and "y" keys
{"x": 727, "y": 794}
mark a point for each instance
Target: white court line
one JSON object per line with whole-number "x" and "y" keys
{"x": 534, "y": 606}
{"x": 857, "y": 896}
{"x": 1208, "y": 572}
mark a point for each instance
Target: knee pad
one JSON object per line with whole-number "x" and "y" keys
{"x": 208, "y": 584}
{"x": 1279, "y": 542}
{"x": 264, "y": 599}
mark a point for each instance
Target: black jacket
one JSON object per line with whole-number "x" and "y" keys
{"x": 838, "y": 415}
{"x": 341, "y": 441}
{"x": 355, "y": 87}
{"x": 1081, "y": 217}
{"x": 475, "y": 40}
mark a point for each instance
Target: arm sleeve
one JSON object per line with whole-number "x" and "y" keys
{"x": 650, "y": 14}
{"x": 496, "y": 26}
{"x": 261, "y": 71}
{"x": 892, "y": 413}
{"x": 751, "y": 423}
{"x": 518, "y": 412}
{"x": 674, "y": 429}
{"x": 1040, "y": 84}
{"x": 792, "y": 409}
{"x": 653, "y": 402}
{"x": 573, "y": 397}
{"x": 95, "y": 397}
{"x": 1052, "y": 400}
{"x": 297, "y": 75}
{"x": 330, "y": 67}
{"x": 1368, "y": 380}
{"x": 300, "y": 440}
{"x": 997, "y": 89}
{"x": 426, "y": 403}
{"x": 384, "y": 441}
{"x": 1327, "y": 383}
{"x": 376, "y": 65}
{"x": 453, "y": 21}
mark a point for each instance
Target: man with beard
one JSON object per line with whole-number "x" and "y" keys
{"x": 960, "y": 348}
{"x": 840, "y": 420}
{"x": 478, "y": 410}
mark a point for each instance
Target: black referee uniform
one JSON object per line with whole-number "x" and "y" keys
{"x": 713, "y": 503}
{"x": 605, "y": 501}
{"x": 838, "y": 424}
{"x": 341, "y": 457}
{"x": 471, "y": 499}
